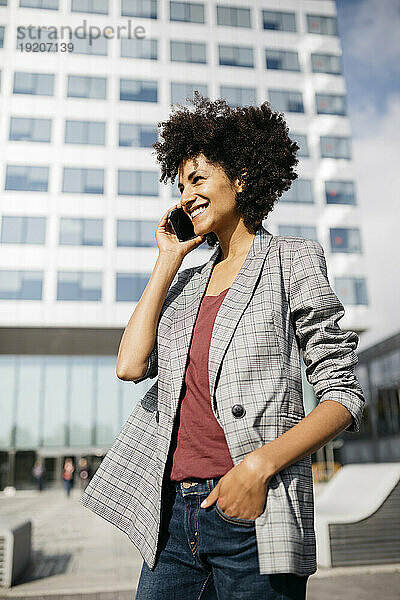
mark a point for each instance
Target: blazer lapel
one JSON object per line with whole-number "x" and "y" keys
{"x": 231, "y": 309}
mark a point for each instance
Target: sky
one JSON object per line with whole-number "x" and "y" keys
{"x": 370, "y": 36}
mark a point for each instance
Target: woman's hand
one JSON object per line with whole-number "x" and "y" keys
{"x": 168, "y": 242}
{"x": 242, "y": 491}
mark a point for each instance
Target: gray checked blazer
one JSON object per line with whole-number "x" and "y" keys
{"x": 280, "y": 304}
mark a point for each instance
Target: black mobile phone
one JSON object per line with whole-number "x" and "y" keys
{"x": 181, "y": 224}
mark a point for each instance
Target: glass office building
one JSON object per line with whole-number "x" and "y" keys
{"x": 83, "y": 85}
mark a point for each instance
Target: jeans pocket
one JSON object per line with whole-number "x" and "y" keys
{"x": 233, "y": 520}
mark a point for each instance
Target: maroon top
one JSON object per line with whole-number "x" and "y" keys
{"x": 199, "y": 446}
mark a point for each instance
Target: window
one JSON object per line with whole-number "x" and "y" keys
{"x": 282, "y": 60}
{"x": 81, "y": 232}
{"x": 79, "y": 285}
{"x": 130, "y": 286}
{"x": 330, "y": 104}
{"x": 137, "y": 90}
{"x": 40, "y": 84}
{"x": 326, "y": 63}
{"x": 85, "y": 45}
{"x": 188, "y": 12}
{"x": 233, "y": 17}
{"x": 138, "y": 233}
{"x": 85, "y": 132}
{"x": 279, "y": 21}
{"x": 2, "y": 29}
{"x": 87, "y": 87}
{"x": 139, "y": 48}
{"x": 49, "y": 4}
{"x": 236, "y": 56}
{"x": 26, "y": 178}
{"x": 137, "y": 183}
{"x": 83, "y": 181}
{"x": 30, "y": 130}
{"x": 340, "y": 192}
{"x": 179, "y": 91}
{"x": 238, "y": 96}
{"x": 345, "y": 239}
{"x": 322, "y": 24}
{"x": 139, "y": 8}
{"x": 23, "y": 230}
{"x": 3, "y": 2}
{"x": 137, "y": 135}
{"x": 335, "y": 147}
{"x": 90, "y": 6}
{"x": 388, "y": 411}
{"x": 30, "y": 35}
{"x": 194, "y": 52}
{"x": 286, "y": 101}
{"x": 351, "y": 290}
{"x": 303, "y": 231}
{"x": 301, "y": 141}
{"x": 301, "y": 191}
{"x": 21, "y": 285}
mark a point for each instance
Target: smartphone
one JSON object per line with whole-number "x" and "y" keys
{"x": 181, "y": 224}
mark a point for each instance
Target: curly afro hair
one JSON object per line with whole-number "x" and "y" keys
{"x": 252, "y": 138}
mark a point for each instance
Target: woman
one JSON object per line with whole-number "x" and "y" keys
{"x": 211, "y": 475}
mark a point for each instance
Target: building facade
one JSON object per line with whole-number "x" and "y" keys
{"x": 83, "y": 85}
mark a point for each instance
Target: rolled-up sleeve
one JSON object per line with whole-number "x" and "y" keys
{"x": 328, "y": 352}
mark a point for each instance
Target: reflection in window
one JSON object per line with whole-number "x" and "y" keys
{"x": 55, "y": 397}
{"x": 236, "y": 56}
{"x": 188, "y": 12}
{"x": 27, "y": 178}
{"x": 330, "y": 104}
{"x": 351, "y": 290}
{"x": 286, "y": 100}
{"x": 302, "y": 142}
{"x": 81, "y": 232}
{"x": 20, "y": 285}
{"x": 139, "y": 8}
{"x": 85, "y": 45}
{"x": 138, "y": 90}
{"x": 48, "y": 4}
{"x": 79, "y": 285}
{"x": 136, "y": 233}
{"x": 340, "y": 192}
{"x": 326, "y": 63}
{"x": 87, "y": 87}
{"x": 301, "y": 191}
{"x": 83, "y": 181}
{"x": 239, "y": 96}
{"x": 282, "y": 60}
{"x": 85, "y": 132}
{"x": 139, "y": 48}
{"x": 23, "y": 230}
{"x": 27, "y": 405}
{"x": 322, "y": 25}
{"x": 90, "y": 6}
{"x": 40, "y": 84}
{"x": 303, "y": 231}
{"x": 193, "y": 52}
{"x": 29, "y": 130}
{"x": 179, "y": 91}
{"x": 130, "y": 286}
{"x": 137, "y": 183}
{"x": 82, "y": 377}
{"x": 345, "y": 239}
{"x": 2, "y": 29}
{"x": 335, "y": 147}
{"x": 137, "y": 135}
{"x": 279, "y": 21}
{"x": 233, "y": 17}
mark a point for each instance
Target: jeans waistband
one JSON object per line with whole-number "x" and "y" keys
{"x": 195, "y": 486}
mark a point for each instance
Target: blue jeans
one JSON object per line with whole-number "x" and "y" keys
{"x": 205, "y": 554}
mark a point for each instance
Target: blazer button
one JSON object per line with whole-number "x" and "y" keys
{"x": 238, "y": 411}
{"x": 157, "y": 416}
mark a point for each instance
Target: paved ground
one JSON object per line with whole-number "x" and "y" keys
{"x": 77, "y": 555}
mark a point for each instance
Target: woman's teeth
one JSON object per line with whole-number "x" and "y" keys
{"x": 198, "y": 211}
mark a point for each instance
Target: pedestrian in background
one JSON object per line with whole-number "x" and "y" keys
{"x": 84, "y": 472}
{"x": 68, "y": 475}
{"x": 38, "y": 472}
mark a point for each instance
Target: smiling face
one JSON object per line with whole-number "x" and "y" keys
{"x": 206, "y": 185}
